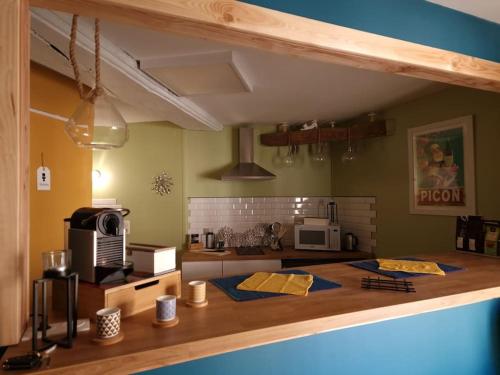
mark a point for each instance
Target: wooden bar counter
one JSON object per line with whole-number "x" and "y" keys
{"x": 225, "y": 325}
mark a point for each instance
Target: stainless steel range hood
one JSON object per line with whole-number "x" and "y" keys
{"x": 246, "y": 168}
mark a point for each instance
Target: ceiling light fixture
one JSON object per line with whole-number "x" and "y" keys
{"x": 96, "y": 123}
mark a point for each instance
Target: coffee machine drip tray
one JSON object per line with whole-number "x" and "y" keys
{"x": 113, "y": 272}
{"x": 250, "y": 250}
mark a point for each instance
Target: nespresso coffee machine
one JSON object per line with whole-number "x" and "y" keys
{"x": 96, "y": 238}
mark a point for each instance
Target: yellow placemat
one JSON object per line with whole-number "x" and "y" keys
{"x": 277, "y": 283}
{"x": 414, "y": 266}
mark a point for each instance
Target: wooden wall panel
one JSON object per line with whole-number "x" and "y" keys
{"x": 252, "y": 26}
{"x": 14, "y": 167}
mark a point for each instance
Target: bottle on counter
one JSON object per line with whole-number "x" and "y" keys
{"x": 332, "y": 213}
{"x": 210, "y": 240}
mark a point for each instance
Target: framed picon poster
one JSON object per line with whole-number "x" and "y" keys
{"x": 441, "y": 161}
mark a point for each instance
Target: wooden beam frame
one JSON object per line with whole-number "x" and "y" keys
{"x": 221, "y": 20}
{"x": 252, "y": 26}
{"x": 14, "y": 164}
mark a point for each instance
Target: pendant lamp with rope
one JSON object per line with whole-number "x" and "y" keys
{"x": 96, "y": 123}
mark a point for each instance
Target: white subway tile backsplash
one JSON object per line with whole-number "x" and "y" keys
{"x": 243, "y": 213}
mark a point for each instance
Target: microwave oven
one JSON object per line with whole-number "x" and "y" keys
{"x": 317, "y": 237}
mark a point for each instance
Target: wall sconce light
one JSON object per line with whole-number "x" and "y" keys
{"x": 99, "y": 179}
{"x": 96, "y": 174}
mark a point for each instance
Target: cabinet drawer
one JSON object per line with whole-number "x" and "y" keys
{"x": 142, "y": 296}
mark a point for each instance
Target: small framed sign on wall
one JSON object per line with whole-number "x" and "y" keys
{"x": 441, "y": 166}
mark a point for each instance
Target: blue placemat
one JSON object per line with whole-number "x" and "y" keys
{"x": 372, "y": 265}
{"x": 228, "y": 285}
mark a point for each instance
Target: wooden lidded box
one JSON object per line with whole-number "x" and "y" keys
{"x": 133, "y": 297}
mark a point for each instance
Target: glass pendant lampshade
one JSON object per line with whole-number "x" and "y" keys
{"x": 97, "y": 124}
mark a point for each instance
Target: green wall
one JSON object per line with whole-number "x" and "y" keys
{"x": 382, "y": 170}
{"x": 152, "y": 148}
{"x": 208, "y": 154}
{"x": 195, "y": 160}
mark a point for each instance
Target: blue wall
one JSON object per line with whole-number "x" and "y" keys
{"x": 463, "y": 340}
{"x": 416, "y": 21}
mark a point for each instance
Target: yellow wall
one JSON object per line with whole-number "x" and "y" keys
{"x": 70, "y": 166}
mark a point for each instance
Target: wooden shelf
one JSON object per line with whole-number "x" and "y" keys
{"x": 303, "y": 137}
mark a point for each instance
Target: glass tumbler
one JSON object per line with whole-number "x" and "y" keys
{"x": 55, "y": 264}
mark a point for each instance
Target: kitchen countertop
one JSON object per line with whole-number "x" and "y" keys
{"x": 225, "y": 325}
{"x": 286, "y": 253}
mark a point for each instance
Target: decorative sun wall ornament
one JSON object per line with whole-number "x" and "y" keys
{"x": 162, "y": 184}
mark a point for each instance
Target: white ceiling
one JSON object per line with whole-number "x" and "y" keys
{"x": 284, "y": 88}
{"x": 486, "y": 9}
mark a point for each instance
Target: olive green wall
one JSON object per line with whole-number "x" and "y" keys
{"x": 195, "y": 160}
{"x": 208, "y": 154}
{"x": 382, "y": 170}
{"x": 127, "y": 175}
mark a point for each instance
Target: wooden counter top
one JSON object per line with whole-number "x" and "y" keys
{"x": 225, "y": 325}
{"x": 287, "y": 253}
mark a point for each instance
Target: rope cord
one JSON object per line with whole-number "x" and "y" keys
{"x": 72, "y": 57}
{"x": 97, "y": 41}
{"x": 74, "y": 63}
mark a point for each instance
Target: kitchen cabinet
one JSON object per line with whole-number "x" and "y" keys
{"x": 239, "y": 267}
{"x": 221, "y": 268}
{"x": 201, "y": 270}
{"x": 207, "y": 266}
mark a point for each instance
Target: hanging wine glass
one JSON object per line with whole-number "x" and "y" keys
{"x": 288, "y": 160}
{"x": 350, "y": 155}
{"x": 324, "y": 152}
{"x": 319, "y": 152}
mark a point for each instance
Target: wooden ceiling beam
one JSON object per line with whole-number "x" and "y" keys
{"x": 304, "y": 137}
{"x": 252, "y": 26}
